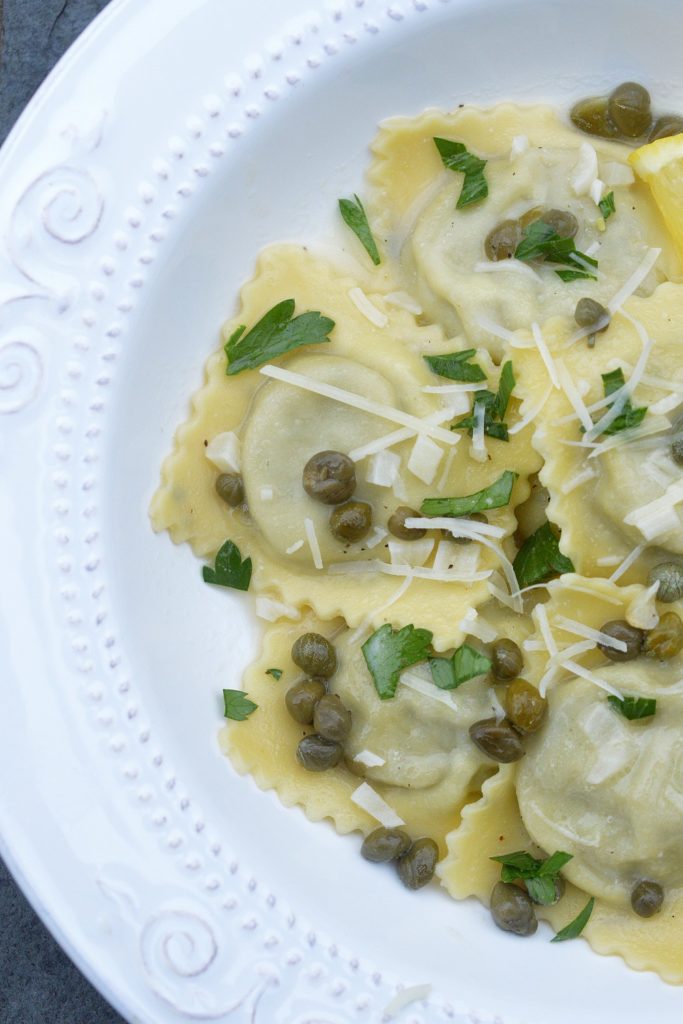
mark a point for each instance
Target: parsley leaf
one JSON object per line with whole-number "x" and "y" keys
{"x": 495, "y": 407}
{"x": 540, "y": 557}
{"x": 356, "y": 218}
{"x": 628, "y": 417}
{"x": 634, "y": 708}
{"x": 276, "y": 673}
{"x": 277, "y": 332}
{"x": 541, "y": 242}
{"x": 467, "y": 663}
{"x": 540, "y": 876}
{"x": 606, "y": 204}
{"x": 456, "y": 366}
{"x": 456, "y": 158}
{"x": 575, "y": 927}
{"x": 230, "y": 570}
{"x": 495, "y": 495}
{"x": 237, "y": 705}
{"x": 387, "y": 653}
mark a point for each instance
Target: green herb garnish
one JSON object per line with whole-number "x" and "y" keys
{"x": 387, "y": 653}
{"x": 456, "y": 158}
{"x": 230, "y": 570}
{"x": 495, "y": 407}
{"x": 540, "y": 876}
{"x": 496, "y": 495}
{"x": 276, "y": 673}
{"x": 539, "y": 558}
{"x": 355, "y": 216}
{"x": 237, "y": 705}
{"x": 542, "y": 242}
{"x": 606, "y": 204}
{"x": 467, "y": 663}
{"x": 575, "y": 927}
{"x": 279, "y": 331}
{"x": 634, "y": 708}
{"x": 628, "y": 417}
{"x": 457, "y": 366}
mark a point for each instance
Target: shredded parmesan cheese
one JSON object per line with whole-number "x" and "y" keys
{"x": 659, "y": 516}
{"x": 383, "y": 468}
{"x": 544, "y": 352}
{"x": 595, "y": 192}
{"x": 635, "y": 280}
{"x": 313, "y": 544}
{"x": 568, "y": 386}
{"x": 642, "y": 611}
{"x": 369, "y": 311}
{"x": 459, "y": 527}
{"x": 592, "y": 677}
{"x": 369, "y": 800}
{"x": 267, "y": 493}
{"x": 424, "y": 459}
{"x": 515, "y": 266}
{"x": 627, "y": 563}
{"x": 271, "y": 610}
{"x": 473, "y": 624}
{"x": 596, "y": 635}
{"x": 224, "y": 452}
{"x": 585, "y": 170}
{"x": 404, "y": 301}
{"x": 426, "y": 688}
{"x": 296, "y": 546}
{"x": 531, "y": 415}
{"x": 378, "y": 535}
{"x": 396, "y": 436}
{"x": 374, "y": 566}
{"x": 541, "y": 616}
{"x": 582, "y": 477}
{"x": 410, "y": 552}
{"x": 368, "y": 759}
{"x": 614, "y": 173}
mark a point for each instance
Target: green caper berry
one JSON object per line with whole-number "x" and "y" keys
{"x": 669, "y": 575}
{"x": 498, "y": 740}
{"x": 316, "y": 754}
{"x": 619, "y": 629}
{"x": 315, "y": 655}
{"x": 629, "y": 109}
{"x": 416, "y": 867}
{"x": 230, "y": 487}
{"x": 351, "y": 522}
{"x": 676, "y": 449}
{"x": 331, "y": 719}
{"x": 501, "y": 241}
{"x": 474, "y": 517}
{"x": 647, "y": 898}
{"x": 564, "y": 223}
{"x": 665, "y": 126}
{"x": 592, "y": 116}
{"x": 329, "y": 477}
{"x": 506, "y": 659}
{"x": 385, "y": 844}
{"x": 666, "y": 639}
{"x": 302, "y": 698}
{"x": 397, "y": 524}
{"x": 589, "y": 313}
{"x": 524, "y": 706}
{"x": 512, "y": 909}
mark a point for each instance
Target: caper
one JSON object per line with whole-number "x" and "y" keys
{"x": 329, "y": 477}
{"x": 564, "y": 223}
{"x": 302, "y": 698}
{"x": 512, "y": 909}
{"x": 506, "y": 659}
{"x": 632, "y": 637}
{"x": 385, "y": 844}
{"x": 351, "y": 521}
{"x": 669, "y": 575}
{"x": 629, "y": 109}
{"x": 317, "y": 754}
{"x": 474, "y": 517}
{"x": 676, "y": 449}
{"x": 498, "y": 740}
{"x": 589, "y": 313}
{"x": 592, "y": 116}
{"x": 666, "y": 639}
{"x": 397, "y": 524}
{"x": 501, "y": 241}
{"x": 315, "y": 655}
{"x": 331, "y": 719}
{"x": 416, "y": 867}
{"x": 230, "y": 487}
{"x": 524, "y": 706}
{"x": 647, "y": 898}
{"x": 669, "y": 124}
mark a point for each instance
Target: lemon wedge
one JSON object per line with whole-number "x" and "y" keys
{"x": 660, "y": 165}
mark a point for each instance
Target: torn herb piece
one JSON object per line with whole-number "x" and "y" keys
{"x": 634, "y": 708}
{"x": 496, "y": 495}
{"x": 456, "y": 366}
{"x": 540, "y": 557}
{"x": 354, "y": 215}
{"x": 606, "y": 204}
{"x": 629, "y": 417}
{"x": 387, "y": 653}
{"x": 495, "y": 406}
{"x": 237, "y": 706}
{"x": 467, "y": 663}
{"x": 276, "y": 673}
{"x": 539, "y": 876}
{"x": 277, "y": 332}
{"x": 456, "y": 158}
{"x": 542, "y": 242}
{"x": 230, "y": 570}
{"x": 575, "y": 927}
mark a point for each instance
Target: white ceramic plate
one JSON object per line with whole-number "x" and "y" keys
{"x": 177, "y": 138}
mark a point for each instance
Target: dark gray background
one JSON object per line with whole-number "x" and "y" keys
{"x": 38, "y": 983}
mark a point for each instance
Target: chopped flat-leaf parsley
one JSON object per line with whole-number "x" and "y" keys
{"x": 628, "y": 417}
{"x": 230, "y": 570}
{"x": 606, "y": 204}
{"x": 539, "y": 558}
{"x": 575, "y": 927}
{"x": 467, "y": 663}
{"x": 495, "y": 407}
{"x": 355, "y": 217}
{"x": 457, "y": 366}
{"x": 276, "y": 673}
{"x": 388, "y": 652}
{"x": 496, "y": 495}
{"x": 456, "y": 158}
{"x": 634, "y": 708}
{"x": 540, "y": 876}
{"x": 277, "y": 332}
{"x": 542, "y": 242}
{"x": 237, "y": 705}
